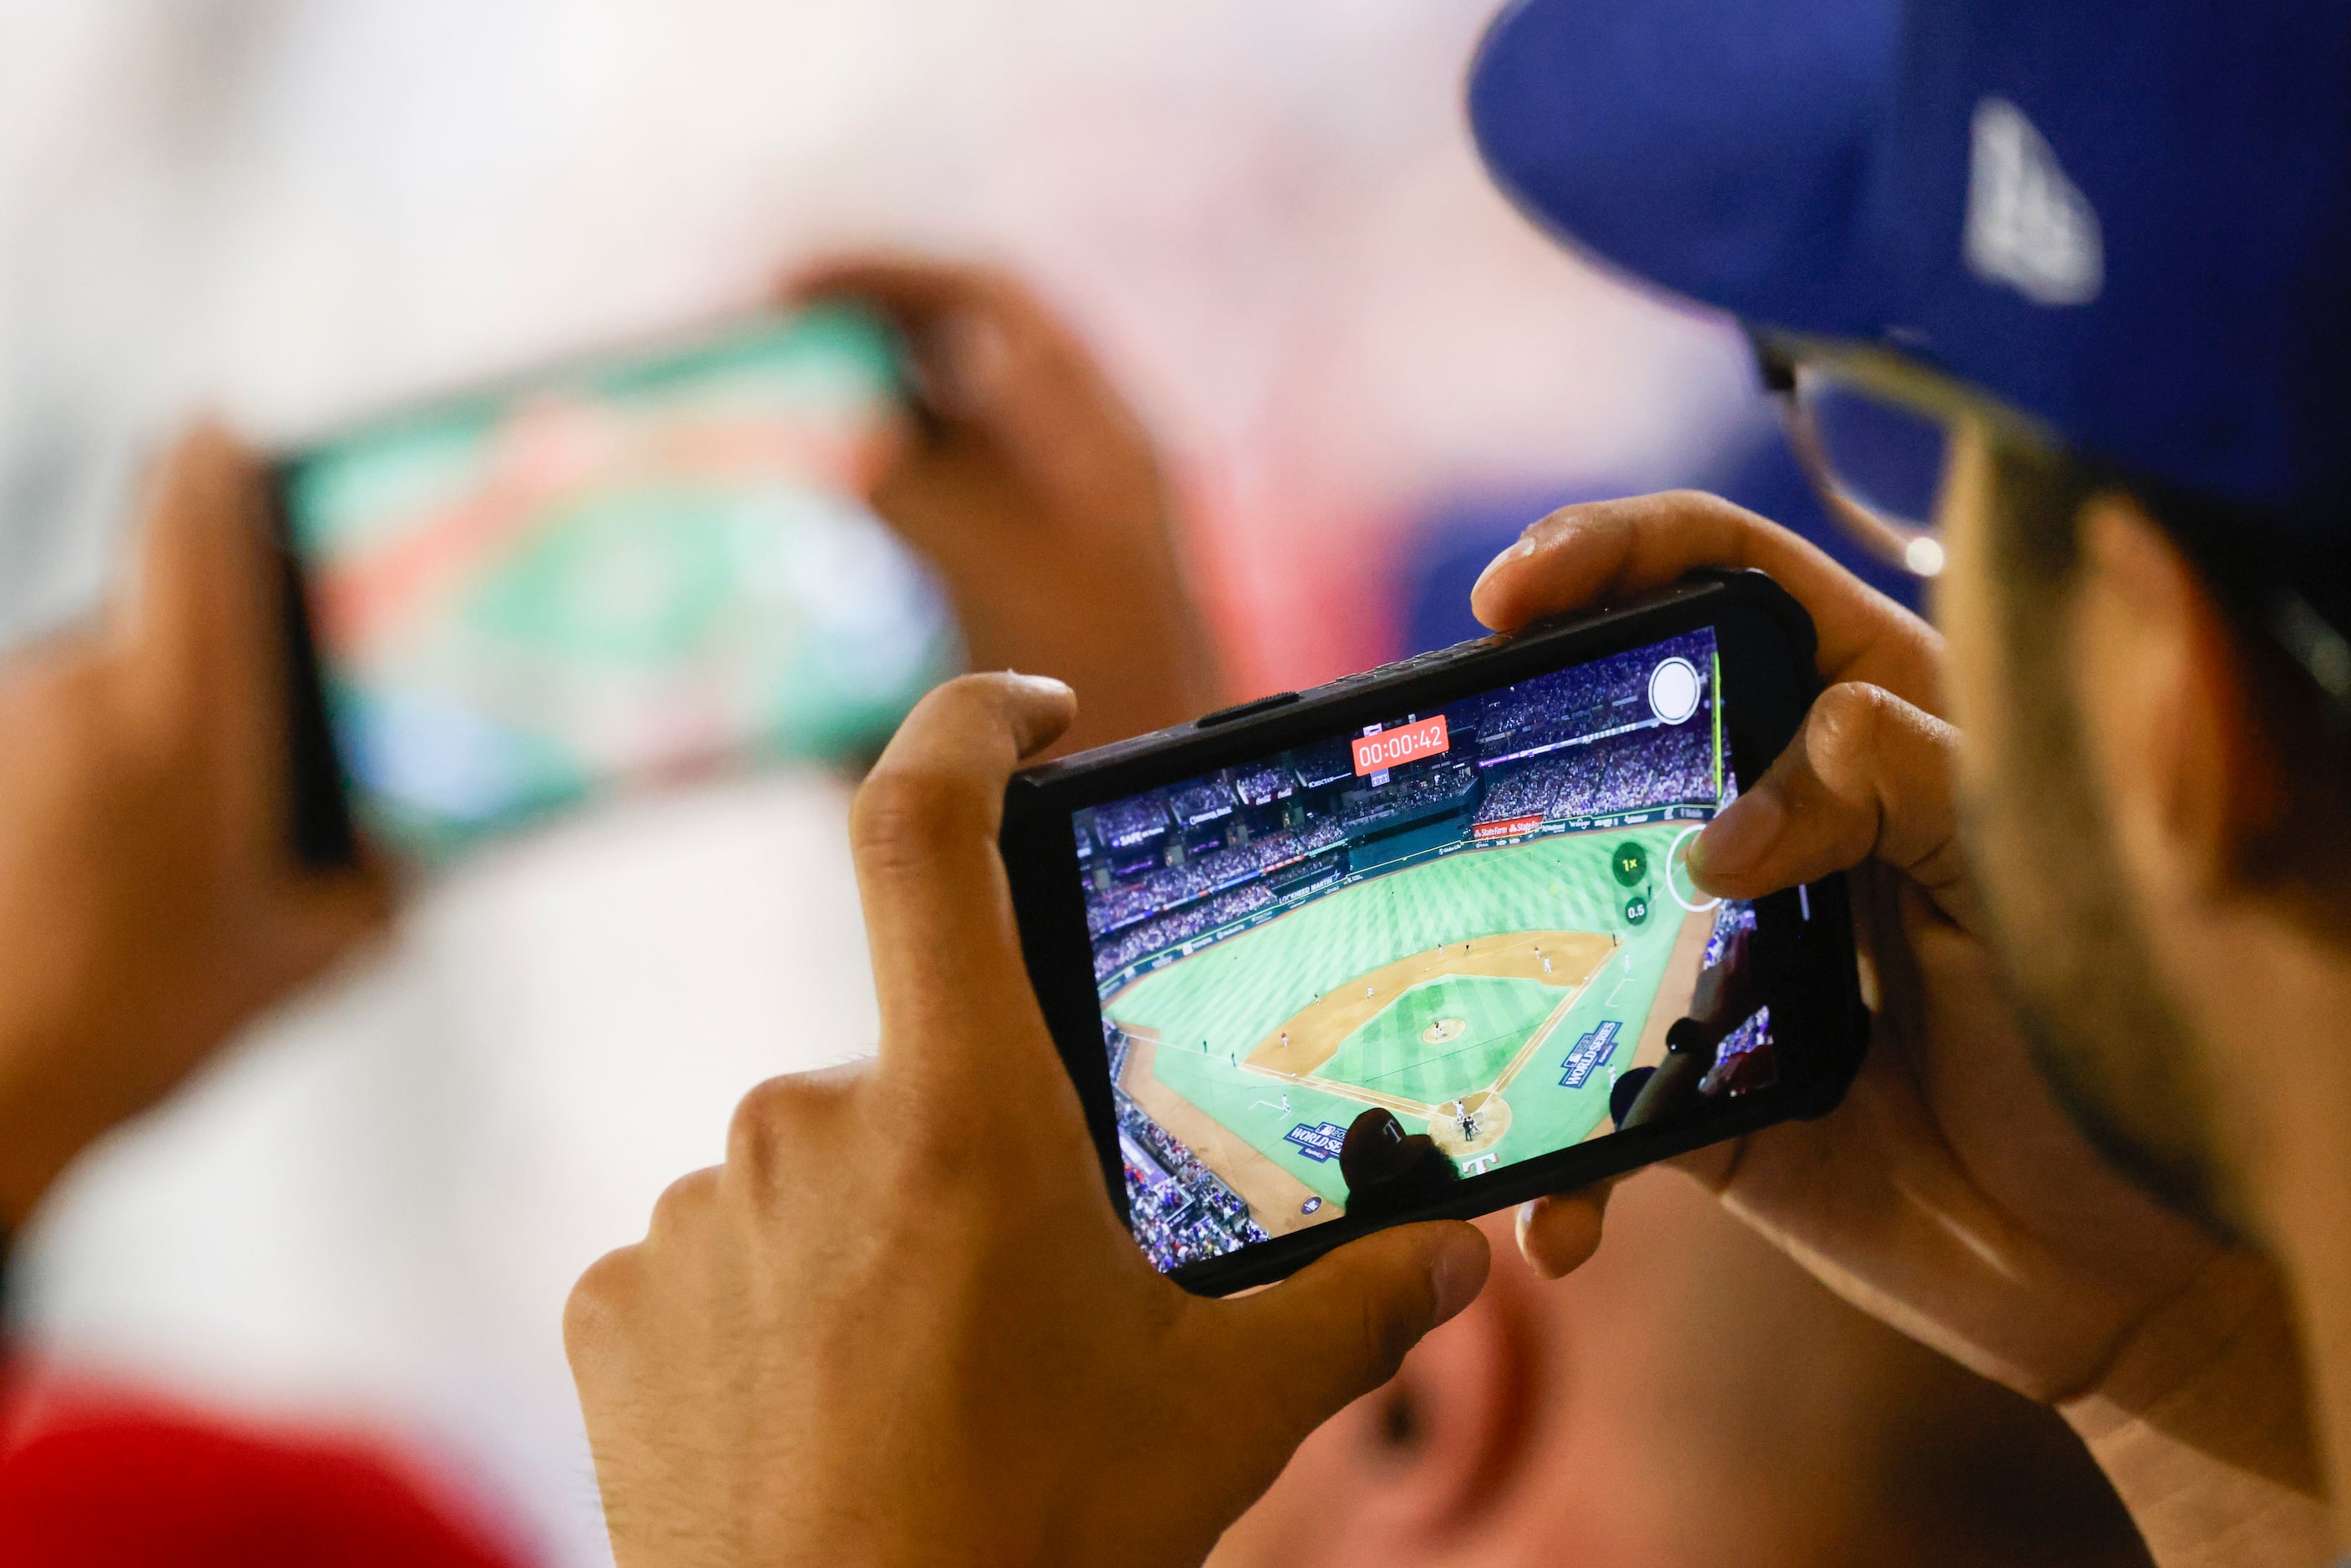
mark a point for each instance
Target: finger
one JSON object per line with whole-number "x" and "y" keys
{"x": 1866, "y": 776}
{"x": 991, "y": 356}
{"x": 597, "y": 1311}
{"x": 1340, "y": 1329}
{"x": 1584, "y": 554}
{"x": 201, "y": 657}
{"x": 199, "y": 651}
{"x": 971, "y": 330}
{"x": 324, "y": 915}
{"x": 782, "y": 1117}
{"x": 916, "y": 290}
{"x": 1559, "y": 1234}
{"x": 924, "y": 828}
{"x": 196, "y": 634}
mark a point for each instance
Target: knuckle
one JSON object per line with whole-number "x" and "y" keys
{"x": 1843, "y": 732}
{"x": 787, "y": 1114}
{"x": 904, "y": 816}
{"x": 1720, "y": 519}
{"x": 765, "y": 1124}
{"x": 592, "y": 1313}
{"x": 1851, "y": 704}
{"x": 941, "y": 1143}
{"x": 1689, "y": 500}
{"x": 684, "y": 1201}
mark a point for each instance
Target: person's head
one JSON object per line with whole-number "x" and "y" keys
{"x": 1642, "y": 1414}
{"x": 2088, "y": 284}
{"x": 2157, "y": 804}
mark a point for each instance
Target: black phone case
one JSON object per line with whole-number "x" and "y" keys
{"x": 318, "y": 809}
{"x": 1762, "y": 633}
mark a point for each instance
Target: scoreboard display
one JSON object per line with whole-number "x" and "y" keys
{"x": 1386, "y": 749}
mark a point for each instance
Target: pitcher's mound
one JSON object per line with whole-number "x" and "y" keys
{"x": 1442, "y": 1031}
{"x": 1478, "y": 1126}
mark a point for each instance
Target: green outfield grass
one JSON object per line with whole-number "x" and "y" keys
{"x": 1211, "y": 1008}
{"x": 1388, "y": 1054}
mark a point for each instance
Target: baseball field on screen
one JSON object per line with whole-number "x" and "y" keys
{"x": 1455, "y": 993}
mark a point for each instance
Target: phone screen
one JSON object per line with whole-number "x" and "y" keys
{"x": 616, "y": 574}
{"x": 1337, "y": 977}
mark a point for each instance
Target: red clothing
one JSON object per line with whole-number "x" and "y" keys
{"x": 118, "y": 1483}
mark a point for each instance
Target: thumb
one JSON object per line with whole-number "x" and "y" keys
{"x": 322, "y": 916}
{"x": 1340, "y": 1329}
{"x": 1867, "y": 775}
{"x": 196, "y": 634}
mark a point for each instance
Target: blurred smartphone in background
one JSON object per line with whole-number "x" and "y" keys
{"x": 598, "y": 579}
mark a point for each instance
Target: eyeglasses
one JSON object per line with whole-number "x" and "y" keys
{"x": 1876, "y": 433}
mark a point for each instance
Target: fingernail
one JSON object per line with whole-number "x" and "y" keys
{"x": 1518, "y": 551}
{"x": 1041, "y": 686}
{"x": 1736, "y": 840}
{"x": 1459, "y": 1271}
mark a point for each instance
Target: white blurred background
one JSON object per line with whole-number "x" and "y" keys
{"x": 1269, "y": 220}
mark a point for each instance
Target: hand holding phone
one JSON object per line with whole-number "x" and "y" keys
{"x": 1951, "y": 1133}
{"x": 901, "y": 1319}
{"x": 1036, "y": 493}
{"x": 144, "y": 874}
{"x": 1947, "y": 1196}
{"x": 1396, "y": 948}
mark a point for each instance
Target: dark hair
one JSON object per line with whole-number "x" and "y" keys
{"x": 2295, "y": 843}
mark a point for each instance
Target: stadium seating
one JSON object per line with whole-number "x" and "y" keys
{"x": 1409, "y": 794}
{"x": 1621, "y": 773}
{"x": 1260, "y": 785}
{"x": 1599, "y": 749}
{"x": 1188, "y": 1216}
{"x": 1202, "y": 800}
{"x": 1131, "y": 822}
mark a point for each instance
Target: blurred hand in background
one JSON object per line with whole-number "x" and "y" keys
{"x": 1037, "y": 495}
{"x": 147, "y": 883}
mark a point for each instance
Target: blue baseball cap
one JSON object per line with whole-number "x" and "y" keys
{"x": 2133, "y": 222}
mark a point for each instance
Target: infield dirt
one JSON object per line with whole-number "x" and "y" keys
{"x": 1277, "y": 1199}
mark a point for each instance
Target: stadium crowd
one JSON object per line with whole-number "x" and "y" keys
{"x": 1328, "y": 762}
{"x": 1115, "y": 954}
{"x": 1409, "y": 794}
{"x": 1261, "y": 784}
{"x": 1169, "y": 887}
{"x": 1586, "y": 700}
{"x": 1744, "y": 1060}
{"x": 1187, "y": 1216}
{"x": 1624, "y": 772}
{"x": 1130, "y": 821}
{"x": 1202, "y": 800}
{"x": 1115, "y": 1045}
{"x": 1621, "y": 773}
{"x": 1526, "y": 790}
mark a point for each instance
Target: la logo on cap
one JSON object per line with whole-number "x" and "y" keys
{"x": 2029, "y": 226}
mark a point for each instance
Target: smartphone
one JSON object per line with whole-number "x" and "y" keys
{"x": 603, "y": 576}
{"x": 1424, "y": 942}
